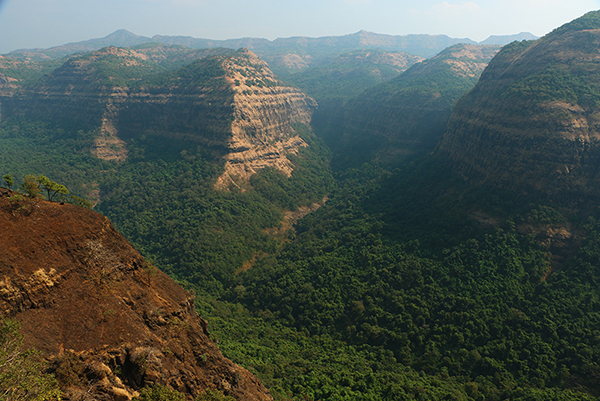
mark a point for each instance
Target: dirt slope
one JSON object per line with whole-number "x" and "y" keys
{"x": 110, "y": 322}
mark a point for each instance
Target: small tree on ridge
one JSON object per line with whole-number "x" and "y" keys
{"x": 52, "y": 187}
{"x": 9, "y": 180}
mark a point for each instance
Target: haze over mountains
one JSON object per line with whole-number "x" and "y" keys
{"x": 356, "y": 222}
{"x": 309, "y": 48}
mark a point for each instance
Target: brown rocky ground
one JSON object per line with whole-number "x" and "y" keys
{"x": 108, "y": 321}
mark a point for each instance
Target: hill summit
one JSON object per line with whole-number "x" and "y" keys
{"x": 532, "y": 123}
{"x": 231, "y": 103}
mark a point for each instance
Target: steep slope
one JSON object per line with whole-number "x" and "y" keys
{"x": 349, "y": 74}
{"x": 407, "y": 115}
{"x": 109, "y": 321}
{"x": 232, "y": 103}
{"x": 264, "y": 115}
{"x": 532, "y": 121}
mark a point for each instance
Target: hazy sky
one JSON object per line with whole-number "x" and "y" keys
{"x": 46, "y": 23}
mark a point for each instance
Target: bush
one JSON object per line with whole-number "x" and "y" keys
{"x": 22, "y": 373}
{"x": 160, "y": 393}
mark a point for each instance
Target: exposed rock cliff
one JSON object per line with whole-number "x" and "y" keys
{"x": 109, "y": 322}
{"x": 533, "y": 121}
{"x": 264, "y": 113}
{"x": 230, "y": 102}
{"x": 408, "y": 114}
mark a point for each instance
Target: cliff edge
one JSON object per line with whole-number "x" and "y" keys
{"x": 109, "y": 322}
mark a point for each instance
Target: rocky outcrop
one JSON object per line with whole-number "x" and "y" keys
{"x": 264, "y": 115}
{"x": 232, "y": 102}
{"x": 108, "y": 321}
{"x": 532, "y": 121}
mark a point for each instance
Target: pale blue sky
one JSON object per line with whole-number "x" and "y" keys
{"x": 46, "y": 23}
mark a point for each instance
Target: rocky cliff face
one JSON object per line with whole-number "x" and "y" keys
{"x": 532, "y": 121}
{"x": 264, "y": 115}
{"x": 109, "y": 322}
{"x": 408, "y": 115}
{"x": 229, "y": 102}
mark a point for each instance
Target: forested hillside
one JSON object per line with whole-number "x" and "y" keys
{"x": 411, "y": 277}
{"x": 407, "y": 116}
{"x": 531, "y": 121}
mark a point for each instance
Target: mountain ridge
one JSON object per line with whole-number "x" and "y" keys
{"x": 407, "y": 115}
{"x": 230, "y": 102}
{"x": 361, "y": 39}
{"x": 531, "y": 121}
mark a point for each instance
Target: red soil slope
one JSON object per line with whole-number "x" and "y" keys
{"x": 109, "y": 322}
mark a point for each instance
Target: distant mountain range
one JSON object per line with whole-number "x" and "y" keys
{"x": 506, "y": 39}
{"x": 310, "y": 48}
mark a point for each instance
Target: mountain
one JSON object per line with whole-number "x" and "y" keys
{"x": 408, "y": 114}
{"x": 502, "y": 40}
{"x": 119, "y": 38}
{"x": 108, "y": 321}
{"x": 386, "y": 277}
{"x": 295, "y": 52}
{"x": 232, "y": 103}
{"x": 314, "y": 50}
{"x": 531, "y": 122}
{"x": 105, "y": 121}
{"x": 348, "y": 74}
{"x": 176, "y": 56}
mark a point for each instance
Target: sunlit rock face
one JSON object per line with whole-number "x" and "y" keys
{"x": 232, "y": 103}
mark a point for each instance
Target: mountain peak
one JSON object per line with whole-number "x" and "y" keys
{"x": 529, "y": 122}
{"x": 587, "y": 21}
{"x": 122, "y": 33}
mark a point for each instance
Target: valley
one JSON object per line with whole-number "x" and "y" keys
{"x": 373, "y": 218}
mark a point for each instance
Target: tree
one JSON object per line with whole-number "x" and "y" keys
{"x": 9, "y": 180}
{"x": 31, "y": 186}
{"x": 52, "y": 187}
{"x": 22, "y": 374}
{"x": 81, "y": 202}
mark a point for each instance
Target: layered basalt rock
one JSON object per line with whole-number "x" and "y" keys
{"x": 264, "y": 114}
{"x": 231, "y": 102}
{"x": 407, "y": 115}
{"x": 532, "y": 123}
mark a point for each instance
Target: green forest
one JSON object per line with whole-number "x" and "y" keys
{"x": 406, "y": 281}
{"x": 391, "y": 290}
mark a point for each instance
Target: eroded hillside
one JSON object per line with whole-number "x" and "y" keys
{"x": 408, "y": 115}
{"x": 230, "y": 103}
{"x": 532, "y": 121}
{"x": 109, "y": 322}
